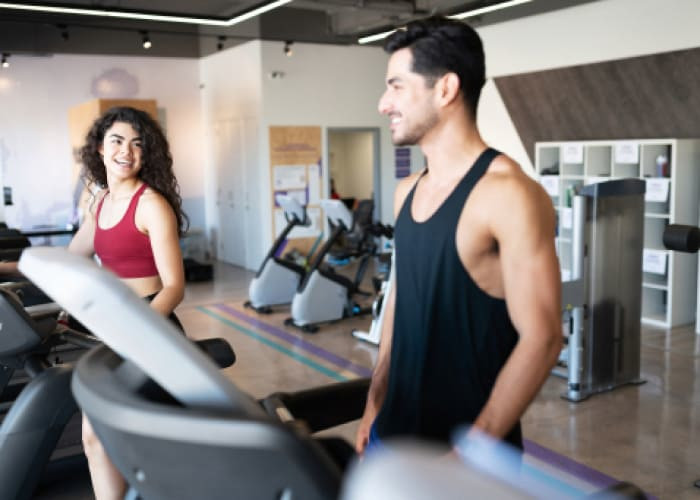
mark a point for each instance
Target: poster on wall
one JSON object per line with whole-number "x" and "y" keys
{"x": 295, "y": 169}
{"x": 402, "y": 158}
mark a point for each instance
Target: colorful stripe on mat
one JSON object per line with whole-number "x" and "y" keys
{"x": 296, "y": 341}
{"x": 274, "y": 345}
{"x": 578, "y": 471}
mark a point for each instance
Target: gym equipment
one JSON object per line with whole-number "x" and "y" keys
{"x": 41, "y": 433}
{"x": 486, "y": 469}
{"x": 603, "y": 298}
{"x": 278, "y": 279}
{"x": 374, "y": 335}
{"x": 12, "y": 243}
{"x": 324, "y": 295}
{"x": 161, "y": 408}
{"x": 197, "y": 271}
{"x": 683, "y": 238}
{"x": 36, "y": 389}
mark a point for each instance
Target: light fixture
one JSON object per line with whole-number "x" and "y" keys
{"x": 461, "y": 15}
{"x": 146, "y": 40}
{"x": 288, "y": 49}
{"x": 4, "y": 62}
{"x": 220, "y": 44}
{"x": 239, "y": 18}
{"x": 490, "y": 8}
{"x": 64, "y": 32}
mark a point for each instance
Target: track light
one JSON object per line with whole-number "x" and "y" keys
{"x": 64, "y": 32}
{"x": 142, "y": 16}
{"x": 220, "y": 44}
{"x": 146, "y": 40}
{"x": 288, "y": 49}
{"x": 4, "y": 62}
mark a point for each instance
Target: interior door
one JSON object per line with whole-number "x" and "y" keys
{"x": 231, "y": 203}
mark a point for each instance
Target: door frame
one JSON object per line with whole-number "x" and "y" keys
{"x": 376, "y": 162}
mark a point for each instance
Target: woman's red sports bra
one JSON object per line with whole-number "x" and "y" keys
{"x": 123, "y": 249}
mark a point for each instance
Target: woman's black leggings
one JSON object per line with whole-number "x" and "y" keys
{"x": 77, "y": 325}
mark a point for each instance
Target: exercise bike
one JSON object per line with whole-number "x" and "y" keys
{"x": 278, "y": 279}
{"x": 325, "y": 295}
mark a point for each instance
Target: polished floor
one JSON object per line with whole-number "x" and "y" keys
{"x": 648, "y": 434}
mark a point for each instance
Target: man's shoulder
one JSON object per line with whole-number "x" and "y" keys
{"x": 507, "y": 177}
{"x": 403, "y": 188}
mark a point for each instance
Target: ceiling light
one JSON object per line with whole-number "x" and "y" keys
{"x": 490, "y": 8}
{"x": 146, "y": 17}
{"x": 4, "y": 62}
{"x": 461, "y": 15}
{"x": 146, "y": 40}
{"x": 375, "y": 37}
{"x": 288, "y": 49}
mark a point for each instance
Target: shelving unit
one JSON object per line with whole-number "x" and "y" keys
{"x": 670, "y": 279}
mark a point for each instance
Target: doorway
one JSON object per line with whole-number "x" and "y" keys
{"x": 353, "y": 166}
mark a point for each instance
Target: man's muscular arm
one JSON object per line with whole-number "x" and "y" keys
{"x": 532, "y": 288}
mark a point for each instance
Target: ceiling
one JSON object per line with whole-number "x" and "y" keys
{"x": 316, "y": 21}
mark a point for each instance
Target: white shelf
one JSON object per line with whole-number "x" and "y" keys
{"x": 654, "y": 286}
{"x": 657, "y": 320}
{"x": 670, "y": 299}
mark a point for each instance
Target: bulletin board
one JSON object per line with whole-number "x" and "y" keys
{"x": 295, "y": 170}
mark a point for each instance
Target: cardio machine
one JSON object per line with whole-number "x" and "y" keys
{"x": 40, "y": 427}
{"x": 325, "y": 295}
{"x": 278, "y": 279}
{"x": 242, "y": 448}
{"x": 177, "y": 429}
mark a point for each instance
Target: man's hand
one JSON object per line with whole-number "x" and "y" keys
{"x": 362, "y": 437}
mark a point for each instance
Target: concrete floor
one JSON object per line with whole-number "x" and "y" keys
{"x": 648, "y": 434}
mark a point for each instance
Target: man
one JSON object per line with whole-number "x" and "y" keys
{"x": 472, "y": 327}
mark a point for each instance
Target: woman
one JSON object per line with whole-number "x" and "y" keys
{"x": 133, "y": 227}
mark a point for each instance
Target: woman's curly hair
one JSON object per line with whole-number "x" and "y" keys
{"x": 156, "y": 161}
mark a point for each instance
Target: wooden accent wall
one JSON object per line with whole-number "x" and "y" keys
{"x": 642, "y": 97}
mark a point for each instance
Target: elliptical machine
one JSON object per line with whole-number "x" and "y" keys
{"x": 324, "y": 295}
{"x": 278, "y": 279}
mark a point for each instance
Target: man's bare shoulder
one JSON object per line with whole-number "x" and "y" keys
{"x": 402, "y": 189}
{"x": 505, "y": 179}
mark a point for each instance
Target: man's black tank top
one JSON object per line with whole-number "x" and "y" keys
{"x": 450, "y": 338}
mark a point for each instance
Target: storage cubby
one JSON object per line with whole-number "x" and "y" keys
{"x": 598, "y": 161}
{"x": 654, "y": 304}
{"x": 669, "y": 295}
{"x": 625, "y": 170}
{"x": 548, "y": 160}
{"x": 651, "y": 164}
{"x": 653, "y": 232}
{"x": 653, "y": 280}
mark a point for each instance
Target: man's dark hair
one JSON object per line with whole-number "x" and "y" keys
{"x": 439, "y": 46}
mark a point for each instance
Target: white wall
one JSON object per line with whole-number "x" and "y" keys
{"x": 329, "y": 86}
{"x": 232, "y": 91}
{"x": 589, "y": 33}
{"x": 35, "y": 96}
